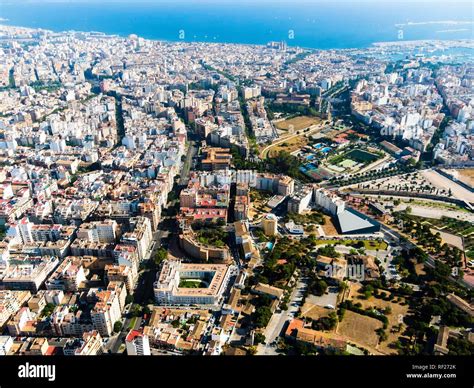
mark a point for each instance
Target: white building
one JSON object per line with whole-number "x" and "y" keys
{"x": 246, "y": 176}
{"x": 6, "y": 342}
{"x": 106, "y": 312}
{"x": 98, "y": 231}
{"x": 328, "y": 201}
{"x": 170, "y": 290}
{"x": 140, "y": 236}
{"x": 68, "y": 276}
{"x": 252, "y": 92}
{"x": 300, "y": 201}
{"x": 137, "y": 344}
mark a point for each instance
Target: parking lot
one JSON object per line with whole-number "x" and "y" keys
{"x": 328, "y": 299}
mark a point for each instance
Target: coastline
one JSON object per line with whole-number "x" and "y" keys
{"x": 453, "y": 43}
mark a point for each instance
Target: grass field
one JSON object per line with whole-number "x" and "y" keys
{"x": 355, "y": 156}
{"x": 299, "y": 122}
{"x": 132, "y": 323}
{"x": 348, "y": 163}
{"x": 192, "y": 283}
{"x": 361, "y": 156}
{"x": 368, "y": 244}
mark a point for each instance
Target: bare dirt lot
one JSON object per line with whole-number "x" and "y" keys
{"x": 290, "y": 145}
{"x": 465, "y": 175}
{"x": 359, "y": 329}
{"x": 258, "y": 204}
{"x": 423, "y": 182}
{"x": 436, "y": 211}
{"x": 394, "y": 318}
{"x": 440, "y": 181}
{"x": 329, "y": 228}
{"x": 449, "y": 238}
{"x": 300, "y": 122}
{"x": 313, "y": 311}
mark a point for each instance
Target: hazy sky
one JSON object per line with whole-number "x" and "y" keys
{"x": 232, "y": 1}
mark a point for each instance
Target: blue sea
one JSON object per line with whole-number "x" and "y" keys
{"x": 314, "y": 24}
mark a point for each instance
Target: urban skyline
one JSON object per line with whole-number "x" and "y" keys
{"x": 177, "y": 198}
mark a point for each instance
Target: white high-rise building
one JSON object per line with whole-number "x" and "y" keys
{"x": 300, "y": 201}
{"x": 106, "y": 312}
{"x": 99, "y": 231}
{"x": 246, "y": 176}
{"x": 328, "y": 201}
{"x": 24, "y": 229}
{"x": 140, "y": 235}
{"x": 137, "y": 344}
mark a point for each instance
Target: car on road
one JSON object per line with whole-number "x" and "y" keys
{"x": 329, "y": 306}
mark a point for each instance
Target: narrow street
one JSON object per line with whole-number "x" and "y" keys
{"x": 191, "y": 153}
{"x": 143, "y": 292}
{"x": 278, "y": 320}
